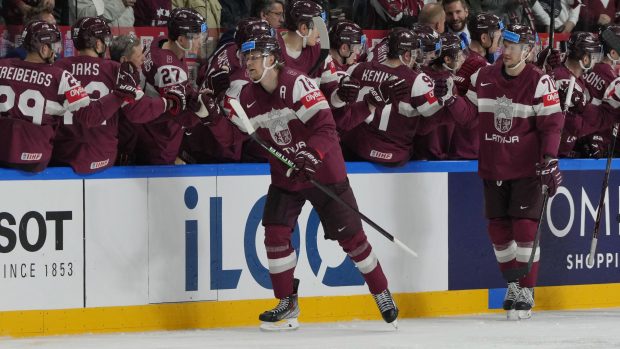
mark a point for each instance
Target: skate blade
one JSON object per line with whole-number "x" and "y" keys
{"x": 282, "y": 325}
{"x": 512, "y": 315}
{"x": 395, "y": 324}
{"x": 524, "y": 314}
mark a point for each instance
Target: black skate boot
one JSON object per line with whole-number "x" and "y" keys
{"x": 512, "y": 293}
{"x": 387, "y": 307}
{"x": 284, "y": 315}
{"x": 525, "y": 303}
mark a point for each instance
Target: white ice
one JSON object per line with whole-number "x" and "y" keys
{"x": 549, "y": 329}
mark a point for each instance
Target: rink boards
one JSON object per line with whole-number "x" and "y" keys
{"x": 144, "y": 248}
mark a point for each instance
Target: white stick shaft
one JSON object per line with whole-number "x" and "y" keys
{"x": 405, "y": 247}
{"x": 569, "y": 92}
{"x": 590, "y": 260}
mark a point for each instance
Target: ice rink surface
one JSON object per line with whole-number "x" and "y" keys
{"x": 549, "y": 329}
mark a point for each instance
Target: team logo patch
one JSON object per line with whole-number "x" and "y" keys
{"x": 278, "y": 128}
{"x": 504, "y": 113}
{"x": 312, "y": 98}
{"x": 551, "y": 99}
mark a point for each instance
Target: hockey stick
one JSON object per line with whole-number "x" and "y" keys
{"x": 569, "y": 93}
{"x": 551, "y": 26}
{"x": 249, "y": 128}
{"x": 517, "y": 273}
{"x": 319, "y": 25}
{"x": 601, "y": 202}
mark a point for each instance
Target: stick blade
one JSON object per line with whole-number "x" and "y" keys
{"x": 247, "y": 124}
{"x": 319, "y": 25}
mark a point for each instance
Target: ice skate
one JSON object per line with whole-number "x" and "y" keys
{"x": 387, "y": 307}
{"x": 525, "y": 303}
{"x": 512, "y": 293}
{"x": 284, "y": 316}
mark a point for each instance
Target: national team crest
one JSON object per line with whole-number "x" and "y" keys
{"x": 278, "y": 128}
{"x": 504, "y": 112}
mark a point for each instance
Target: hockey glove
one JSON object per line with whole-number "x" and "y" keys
{"x": 388, "y": 91}
{"x": 176, "y": 101}
{"x": 550, "y": 176}
{"x": 348, "y": 89}
{"x": 218, "y": 81}
{"x": 552, "y": 57}
{"x": 577, "y": 102}
{"x": 442, "y": 92}
{"x": 127, "y": 82}
{"x": 205, "y": 106}
{"x": 307, "y": 161}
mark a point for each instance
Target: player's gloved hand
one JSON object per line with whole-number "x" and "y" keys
{"x": 550, "y": 56}
{"x": 348, "y": 89}
{"x": 550, "y": 176}
{"x": 127, "y": 82}
{"x": 205, "y": 106}
{"x": 442, "y": 92}
{"x": 307, "y": 161}
{"x": 387, "y": 92}
{"x": 218, "y": 81}
{"x": 577, "y": 102}
{"x": 176, "y": 100}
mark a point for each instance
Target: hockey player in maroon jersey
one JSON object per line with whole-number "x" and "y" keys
{"x": 164, "y": 69}
{"x": 405, "y": 94}
{"x": 598, "y": 80}
{"x": 436, "y": 144}
{"x": 224, "y": 71}
{"x": 520, "y": 121}
{"x": 485, "y": 33}
{"x": 430, "y": 44}
{"x": 584, "y": 51}
{"x": 299, "y": 42}
{"x": 92, "y": 149}
{"x": 291, "y": 114}
{"x": 36, "y": 94}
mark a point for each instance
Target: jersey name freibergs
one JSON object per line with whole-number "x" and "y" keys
{"x": 520, "y": 121}
{"x": 306, "y": 59}
{"x": 32, "y": 97}
{"x": 296, "y": 115}
{"x": 159, "y": 140}
{"x": 386, "y": 136}
{"x": 88, "y": 149}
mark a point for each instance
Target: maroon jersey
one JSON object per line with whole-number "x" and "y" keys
{"x": 304, "y": 61}
{"x": 379, "y": 52}
{"x": 598, "y": 81}
{"x": 158, "y": 141}
{"x": 386, "y": 136}
{"x": 436, "y": 144}
{"x": 152, "y": 13}
{"x": 296, "y": 115}
{"x": 572, "y": 125}
{"x": 518, "y": 126}
{"x": 35, "y": 95}
{"x": 227, "y": 56}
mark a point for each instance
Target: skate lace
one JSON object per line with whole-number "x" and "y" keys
{"x": 282, "y": 306}
{"x": 384, "y": 301}
{"x": 526, "y": 296}
{"x": 513, "y": 291}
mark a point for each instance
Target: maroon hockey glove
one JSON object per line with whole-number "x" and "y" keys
{"x": 577, "y": 102}
{"x": 441, "y": 90}
{"x": 218, "y": 81}
{"x": 307, "y": 162}
{"x": 205, "y": 106}
{"x": 388, "y": 91}
{"x": 550, "y": 175}
{"x": 552, "y": 57}
{"x": 127, "y": 82}
{"x": 175, "y": 99}
{"x": 348, "y": 89}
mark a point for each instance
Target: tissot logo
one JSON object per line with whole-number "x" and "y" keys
{"x": 31, "y": 230}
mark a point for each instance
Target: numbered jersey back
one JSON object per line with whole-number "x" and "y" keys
{"x": 162, "y": 68}
{"x": 37, "y": 92}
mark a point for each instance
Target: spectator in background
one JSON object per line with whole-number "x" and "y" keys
{"x": 233, "y": 11}
{"x": 433, "y": 16}
{"x": 597, "y": 13}
{"x": 14, "y": 11}
{"x": 118, "y": 12}
{"x": 564, "y": 23}
{"x": 457, "y": 14}
{"x": 270, "y": 10}
{"x": 152, "y": 13}
{"x": 35, "y": 13}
